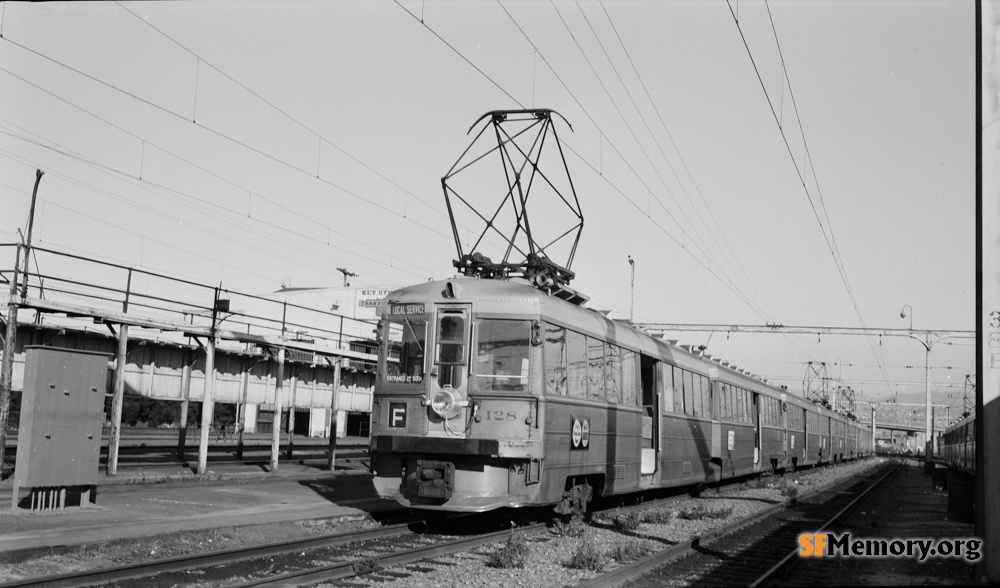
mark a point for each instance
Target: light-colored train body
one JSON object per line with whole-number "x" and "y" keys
{"x": 495, "y": 394}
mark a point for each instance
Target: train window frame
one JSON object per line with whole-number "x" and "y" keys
{"x": 688, "y": 392}
{"x": 554, "y": 360}
{"x": 451, "y": 334}
{"x": 416, "y": 325}
{"x": 501, "y": 382}
{"x": 576, "y": 364}
{"x": 666, "y": 384}
{"x": 595, "y": 368}
{"x": 612, "y": 374}
{"x": 697, "y": 408}
{"x": 631, "y": 396}
{"x": 677, "y": 375}
{"x": 706, "y": 399}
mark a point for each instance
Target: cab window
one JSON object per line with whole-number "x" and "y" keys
{"x": 406, "y": 340}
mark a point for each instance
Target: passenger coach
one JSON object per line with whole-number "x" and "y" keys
{"x": 494, "y": 393}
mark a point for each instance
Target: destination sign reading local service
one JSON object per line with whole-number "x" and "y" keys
{"x": 407, "y": 309}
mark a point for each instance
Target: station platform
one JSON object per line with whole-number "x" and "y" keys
{"x": 158, "y": 499}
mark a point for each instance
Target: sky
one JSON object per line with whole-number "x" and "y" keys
{"x": 801, "y": 163}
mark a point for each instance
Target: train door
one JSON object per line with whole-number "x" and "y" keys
{"x": 650, "y": 418}
{"x": 450, "y": 368}
{"x": 755, "y": 415}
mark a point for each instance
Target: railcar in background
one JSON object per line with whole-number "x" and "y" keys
{"x": 497, "y": 393}
{"x": 958, "y": 445}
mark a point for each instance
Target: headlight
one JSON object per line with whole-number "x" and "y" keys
{"x": 443, "y": 404}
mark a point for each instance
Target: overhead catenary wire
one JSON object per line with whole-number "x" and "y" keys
{"x": 198, "y": 167}
{"x": 225, "y": 137}
{"x": 680, "y": 157}
{"x": 826, "y": 229}
{"x": 188, "y": 223}
{"x": 706, "y": 265}
{"x": 283, "y": 112}
{"x": 726, "y": 281}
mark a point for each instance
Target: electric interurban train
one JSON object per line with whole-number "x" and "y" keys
{"x": 494, "y": 393}
{"x": 958, "y": 445}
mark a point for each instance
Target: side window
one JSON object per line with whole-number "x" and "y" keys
{"x": 554, "y": 356}
{"x": 576, "y": 356}
{"x": 688, "y": 391}
{"x": 612, "y": 373}
{"x": 667, "y": 390}
{"x": 706, "y": 390}
{"x": 629, "y": 383}
{"x": 595, "y": 368}
{"x": 696, "y": 395}
{"x": 502, "y": 355}
{"x": 678, "y": 390}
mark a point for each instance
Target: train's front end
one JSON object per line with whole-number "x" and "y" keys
{"x": 455, "y": 420}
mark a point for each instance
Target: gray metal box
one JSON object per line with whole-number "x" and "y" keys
{"x": 62, "y": 412}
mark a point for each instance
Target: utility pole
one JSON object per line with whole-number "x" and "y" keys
{"x": 7, "y": 368}
{"x": 347, "y": 274}
{"x": 815, "y": 384}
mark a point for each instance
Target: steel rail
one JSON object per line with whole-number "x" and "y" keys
{"x": 849, "y": 507}
{"x": 108, "y": 576}
{"x": 353, "y": 568}
{"x": 635, "y": 569}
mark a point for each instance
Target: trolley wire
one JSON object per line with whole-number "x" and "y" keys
{"x": 826, "y": 230}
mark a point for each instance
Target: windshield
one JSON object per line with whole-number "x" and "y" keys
{"x": 405, "y": 340}
{"x": 502, "y": 356}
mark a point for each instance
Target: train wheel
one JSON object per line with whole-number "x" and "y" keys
{"x": 575, "y": 500}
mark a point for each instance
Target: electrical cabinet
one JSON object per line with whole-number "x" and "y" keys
{"x": 62, "y": 412}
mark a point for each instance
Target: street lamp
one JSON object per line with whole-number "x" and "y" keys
{"x": 926, "y": 342}
{"x": 631, "y": 308}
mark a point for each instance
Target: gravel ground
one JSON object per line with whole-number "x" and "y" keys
{"x": 600, "y": 546}
{"x": 175, "y": 545}
{"x": 548, "y": 563}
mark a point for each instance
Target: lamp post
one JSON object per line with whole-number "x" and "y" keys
{"x": 902, "y": 314}
{"x": 631, "y": 308}
{"x": 926, "y": 342}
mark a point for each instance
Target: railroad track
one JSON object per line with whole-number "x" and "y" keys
{"x": 750, "y": 551}
{"x": 177, "y": 570}
{"x": 385, "y": 553}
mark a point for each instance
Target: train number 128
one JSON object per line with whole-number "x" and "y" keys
{"x": 499, "y": 415}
